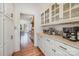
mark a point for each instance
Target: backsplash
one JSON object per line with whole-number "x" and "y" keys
{"x": 60, "y": 26}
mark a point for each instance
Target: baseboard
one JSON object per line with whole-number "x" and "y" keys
{"x": 41, "y": 51}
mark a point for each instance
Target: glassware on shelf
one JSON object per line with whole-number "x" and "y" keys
{"x": 66, "y": 6}
{"x": 47, "y": 16}
{"x": 42, "y": 18}
{"x": 52, "y": 19}
{"x": 57, "y": 11}
{"x": 74, "y": 5}
{"x": 52, "y": 7}
{"x": 66, "y": 15}
{"x": 52, "y": 13}
{"x": 75, "y": 12}
{"x": 57, "y": 17}
{"x": 56, "y": 5}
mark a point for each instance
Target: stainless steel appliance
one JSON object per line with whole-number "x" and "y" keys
{"x": 71, "y": 33}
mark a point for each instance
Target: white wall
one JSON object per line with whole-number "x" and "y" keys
{"x": 32, "y": 9}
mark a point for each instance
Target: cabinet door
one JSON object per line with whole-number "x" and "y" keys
{"x": 6, "y": 49}
{"x": 8, "y": 36}
{"x": 47, "y": 16}
{"x": 8, "y": 9}
{"x": 48, "y": 47}
{"x": 74, "y": 10}
{"x": 42, "y": 18}
{"x": 1, "y": 51}
{"x": 66, "y": 11}
{"x": 40, "y": 42}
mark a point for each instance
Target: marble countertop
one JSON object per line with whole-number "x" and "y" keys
{"x": 61, "y": 39}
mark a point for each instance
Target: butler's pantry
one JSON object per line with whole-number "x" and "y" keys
{"x": 39, "y": 29}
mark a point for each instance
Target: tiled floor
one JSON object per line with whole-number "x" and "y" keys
{"x": 28, "y": 50}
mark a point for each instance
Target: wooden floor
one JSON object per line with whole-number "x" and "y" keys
{"x": 30, "y": 50}
{"x": 33, "y": 51}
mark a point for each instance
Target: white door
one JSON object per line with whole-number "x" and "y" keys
{"x": 8, "y": 36}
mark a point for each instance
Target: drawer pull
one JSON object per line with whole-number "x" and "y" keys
{"x": 53, "y": 50}
{"x": 63, "y": 48}
{"x": 48, "y": 40}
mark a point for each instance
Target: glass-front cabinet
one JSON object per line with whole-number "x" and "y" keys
{"x": 47, "y": 16}
{"x": 66, "y": 11}
{"x": 52, "y": 13}
{"x": 74, "y": 10}
{"x": 59, "y": 13}
{"x": 42, "y": 18}
{"x": 55, "y": 12}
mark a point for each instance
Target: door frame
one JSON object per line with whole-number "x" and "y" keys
{"x": 33, "y": 18}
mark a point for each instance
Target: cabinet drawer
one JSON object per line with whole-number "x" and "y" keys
{"x": 68, "y": 49}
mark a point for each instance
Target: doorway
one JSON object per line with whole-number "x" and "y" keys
{"x": 26, "y": 31}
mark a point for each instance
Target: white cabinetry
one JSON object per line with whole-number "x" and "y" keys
{"x": 8, "y": 9}
{"x": 61, "y": 13}
{"x": 47, "y": 44}
{"x": 68, "y": 49}
{"x": 51, "y": 47}
{"x": 6, "y": 29}
{"x": 8, "y": 36}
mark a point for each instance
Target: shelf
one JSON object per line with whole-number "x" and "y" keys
{"x": 66, "y": 15}
{"x": 56, "y": 14}
{"x": 64, "y": 21}
{"x": 66, "y": 11}
{"x": 57, "y": 11}
{"x": 74, "y": 5}
{"x": 52, "y": 13}
{"x": 56, "y": 8}
{"x": 77, "y": 6}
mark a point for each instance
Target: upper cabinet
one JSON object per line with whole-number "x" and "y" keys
{"x": 54, "y": 12}
{"x": 42, "y": 18}
{"x": 74, "y": 10}
{"x": 47, "y": 16}
{"x": 66, "y": 11}
{"x": 59, "y": 13}
{"x": 56, "y": 6}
